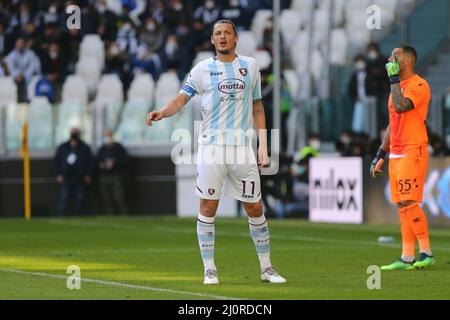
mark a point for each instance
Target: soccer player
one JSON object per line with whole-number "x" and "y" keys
{"x": 406, "y": 141}
{"x": 230, "y": 90}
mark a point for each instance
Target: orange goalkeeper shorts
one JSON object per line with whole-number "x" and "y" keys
{"x": 407, "y": 173}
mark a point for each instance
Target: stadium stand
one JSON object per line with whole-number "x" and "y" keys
{"x": 319, "y": 38}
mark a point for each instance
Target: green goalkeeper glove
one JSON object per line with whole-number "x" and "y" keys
{"x": 393, "y": 70}
{"x": 377, "y": 163}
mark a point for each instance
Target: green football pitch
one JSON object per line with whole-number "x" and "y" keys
{"x": 158, "y": 258}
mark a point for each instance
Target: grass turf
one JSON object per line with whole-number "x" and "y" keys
{"x": 158, "y": 258}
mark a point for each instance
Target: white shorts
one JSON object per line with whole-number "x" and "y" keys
{"x": 233, "y": 167}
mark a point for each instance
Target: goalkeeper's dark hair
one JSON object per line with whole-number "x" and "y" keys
{"x": 228, "y": 22}
{"x": 409, "y": 50}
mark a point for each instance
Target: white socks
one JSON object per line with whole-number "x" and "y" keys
{"x": 258, "y": 230}
{"x": 260, "y": 235}
{"x": 206, "y": 235}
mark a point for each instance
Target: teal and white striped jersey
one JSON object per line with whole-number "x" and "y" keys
{"x": 227, "y": 91}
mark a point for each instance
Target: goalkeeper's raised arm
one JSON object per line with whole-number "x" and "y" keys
{"x": 169, "y": 109}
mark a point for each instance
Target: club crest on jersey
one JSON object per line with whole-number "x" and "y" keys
{"x": 243, "y": 71}
{"x": 211, "y": 191}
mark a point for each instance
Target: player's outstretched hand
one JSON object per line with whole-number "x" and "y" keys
{"x": 153, "y": 116}
{"x": 377, "y": 163}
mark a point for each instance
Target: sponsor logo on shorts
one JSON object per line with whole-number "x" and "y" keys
{"x": 211, "y": 191}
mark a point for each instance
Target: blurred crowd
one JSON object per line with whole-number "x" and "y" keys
{"x": 139, "y": 36}
{"x": 369, "y": 79}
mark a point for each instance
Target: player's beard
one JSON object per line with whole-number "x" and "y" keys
{"x": 224, "y": 52}
{"x": 227, "y": 51}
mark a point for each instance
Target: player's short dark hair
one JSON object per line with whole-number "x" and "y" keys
{"x": 409, "y": 50}
{"x": 226, "y": 21}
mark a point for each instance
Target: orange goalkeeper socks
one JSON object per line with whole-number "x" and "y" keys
{"x": 419, "y": 225}
{"x": 408, "y": 235}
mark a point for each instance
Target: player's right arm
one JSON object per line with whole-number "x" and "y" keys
{"x": 169, "y": 109}
{"x": 378, "y": 161}
{"x": 191, "y": 87}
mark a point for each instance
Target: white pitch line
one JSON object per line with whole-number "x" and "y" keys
{"x": 123, "y": 285}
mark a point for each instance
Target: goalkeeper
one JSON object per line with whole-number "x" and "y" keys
{"x": 406, "y": 141}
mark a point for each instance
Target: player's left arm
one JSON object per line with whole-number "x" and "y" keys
{"x": 259, "y": 119}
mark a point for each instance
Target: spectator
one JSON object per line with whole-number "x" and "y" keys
{"x": 20, "y": 19}
{"x": 186, "y": 44}
{"x": 343, "y": 145}
{"x": 116, "y": 62}
{"x": 70, "y": 45}
{"x": 204, "y": 18}
{"x": 152, "y": 35}
{"x": 234, "y": 11}
{"x": 379, "y": 85}
{"x": 112, "y": 160}
{"x": 74, "y": 164}
{"x": 267, "y": 40}
{"x": 126, "y": 37}
{"x": 89, "y": 19}
{"x": 255, "y": 5}
{"x": 300, "y": 168}
{"x": 277, "y": 189}
{"x": 105, "y": 21}
{"x": 171, "y": 56}
{"x": 155, "y": 10}
{"x": 22, "y": 64}
{"x": 356, "y": 149}
{"x": 54, "y": 66}
{"x": 5, "y": 40}
{"x": 50, "y": 35}
{"x": 145, "y": 61}
{"x": 358, "y": 90}
{"x": 4, "y": 15}
{"x": 50, "y": 16}
{"x": 33, "y": 41}
{"x": 438, "y": 146}
{"x": 176, "y": 14}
